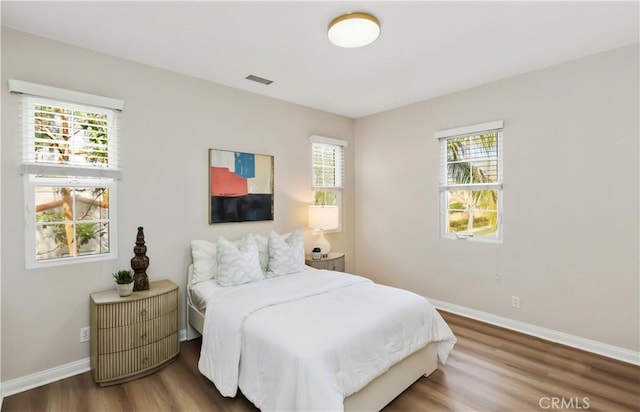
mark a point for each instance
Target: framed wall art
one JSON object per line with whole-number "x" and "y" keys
{"x": 240, "y": 187}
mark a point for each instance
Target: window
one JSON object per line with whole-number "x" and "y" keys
{"x": 70, "y": 167}
{"x": 471, "y": 182}
{"x": 327, "y": 170}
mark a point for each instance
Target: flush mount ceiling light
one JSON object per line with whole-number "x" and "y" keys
{"x": 354, "y": 30}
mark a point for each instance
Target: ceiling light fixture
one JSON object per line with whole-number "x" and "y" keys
{"x": 354, "y": 30}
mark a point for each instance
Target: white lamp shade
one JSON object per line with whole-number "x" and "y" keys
{"x": 353, "y": 30}
{"x": 323, "y": 217}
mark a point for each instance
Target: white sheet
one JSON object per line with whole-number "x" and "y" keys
{"x": 306, "y": 341}
{"x": 200, "y": 293}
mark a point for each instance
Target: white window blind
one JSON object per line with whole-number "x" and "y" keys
{"x": 67, "y": 138}
{"x": 327, "y": 162}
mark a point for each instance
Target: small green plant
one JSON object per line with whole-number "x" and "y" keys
{"x": 123, "y": 277}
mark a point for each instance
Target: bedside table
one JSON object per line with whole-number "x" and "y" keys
{"x": 135, "y": 335}
{"x": 335, "y": 261}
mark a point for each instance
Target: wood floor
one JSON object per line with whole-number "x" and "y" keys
{"x": 490, "y": 369}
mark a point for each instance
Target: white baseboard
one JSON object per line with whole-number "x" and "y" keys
{"x": 43, "y": 377}
{"x": 34, "y": 380}
{"x": 604, "y": 349}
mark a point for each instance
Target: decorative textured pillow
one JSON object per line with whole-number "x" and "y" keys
{"x": 285, "y": 255}
{"x": 263, "y": 251}
{"x": 238, "y": 263}
{"x": 205, "y": 264}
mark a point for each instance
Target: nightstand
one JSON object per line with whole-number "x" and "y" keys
{"x": 135, "y": 335}
{"x": 335, "y": 261}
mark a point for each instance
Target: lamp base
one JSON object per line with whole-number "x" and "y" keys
{"x": 323, "y": 244}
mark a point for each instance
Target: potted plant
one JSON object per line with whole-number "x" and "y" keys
{"x": 124, "y": 282}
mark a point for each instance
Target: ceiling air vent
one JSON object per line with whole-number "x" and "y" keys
{"x": 259, "y": 79}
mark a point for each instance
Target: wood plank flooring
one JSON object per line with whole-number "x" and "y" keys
{"x": 490, "y": 369}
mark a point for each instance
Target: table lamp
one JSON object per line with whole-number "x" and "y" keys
{"x": 323, "y": 218}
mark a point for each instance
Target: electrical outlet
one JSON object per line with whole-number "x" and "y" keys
{"x": 85, "y": 334}
{"x": 515, "y": 301}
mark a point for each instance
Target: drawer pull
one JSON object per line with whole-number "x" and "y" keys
{"x": 145, "y": 360}
{"x": 143, "y": 313}
{"x": 143, "y": 336}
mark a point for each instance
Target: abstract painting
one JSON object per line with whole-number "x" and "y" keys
{"x": 240, "y": 187}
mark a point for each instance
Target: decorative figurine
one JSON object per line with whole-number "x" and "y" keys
{"x": 140, "y": 263}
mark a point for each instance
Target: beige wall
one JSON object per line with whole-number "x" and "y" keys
{"x": 167, "y": 126}
{"x": 570, "y": 249}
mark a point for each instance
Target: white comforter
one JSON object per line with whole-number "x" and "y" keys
{"x": 306, "y": 341}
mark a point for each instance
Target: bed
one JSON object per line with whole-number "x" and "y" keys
{"x": 298, "y": 342}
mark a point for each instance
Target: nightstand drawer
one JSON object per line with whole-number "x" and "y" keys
{"x": 122, "y": 364}
{"x": 136, "y": 311}
{"x": 135, "y": 335}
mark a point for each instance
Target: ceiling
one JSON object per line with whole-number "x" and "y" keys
{"x": 426, "y": 49}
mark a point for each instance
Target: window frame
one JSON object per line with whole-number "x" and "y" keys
{"x": 444, "y": 187}
{"x": 74, "y": 175}
{"x": 31, "y": 182}
{"x": 338, "y": 179}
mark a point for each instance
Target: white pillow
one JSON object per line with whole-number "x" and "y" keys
{"x": 238, "y": 263}
{"x": 205, "y": 264}
{"x": 263, "y": 251}
{"x": 285, "y": 255}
